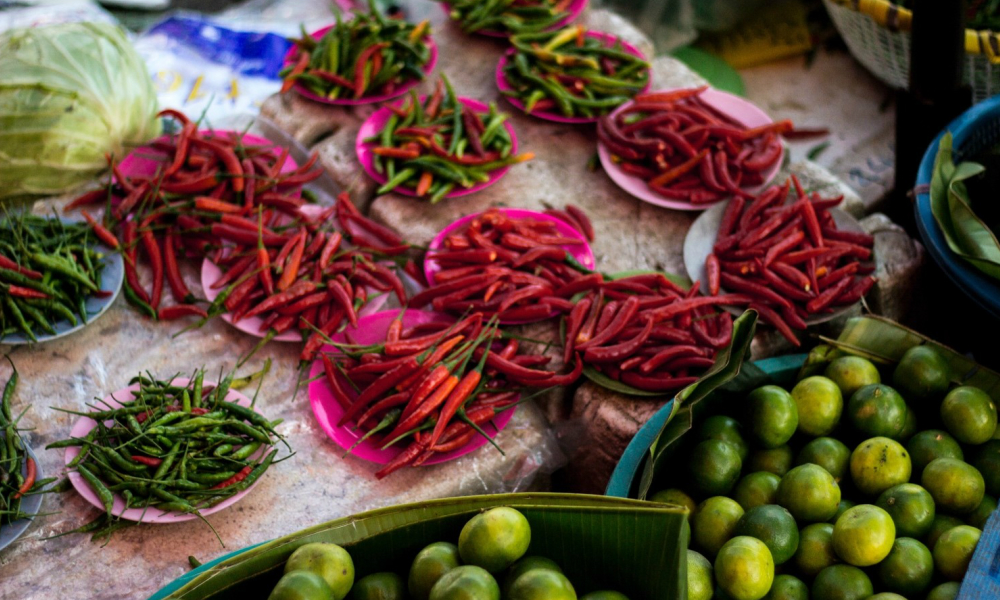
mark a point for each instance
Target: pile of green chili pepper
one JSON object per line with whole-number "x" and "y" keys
{"x": 14, "y": 484}
{"x": 368, "y": 55}
{"x": 507, "y": 16}
{"x": 438, "y": 143}
{"x": 176, "y": 448}
{"x": 573, "y": 73}
{"x": 48, "y": 269}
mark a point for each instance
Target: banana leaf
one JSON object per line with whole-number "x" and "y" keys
{"x": 601, "y": 543}
{"x": 966, "y": 234}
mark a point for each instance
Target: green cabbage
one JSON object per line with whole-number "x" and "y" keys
{"x": 69, "y": 94}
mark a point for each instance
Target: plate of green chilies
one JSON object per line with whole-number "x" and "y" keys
{"x": 571, "y": 75}
{"x": 501, "y": 18}
{"x": 423, "y": 147}
{"x": 366, "y": 60}
{"x": 55, "y": 278}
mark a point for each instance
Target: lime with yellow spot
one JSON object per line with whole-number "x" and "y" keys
{"x": 428, "y": 566}
{"x": 941, "y": 524}
{"x": 676, "y": 497}
{"x": 969, "y": 414}
{"x": 826, "y": 452}
{"x": 774, "y": 526}
{"x": 908, "y": 569}
{"x": 922, "y": 374}
{"x": 714, "y": 523}
{"x": 945, "y": 591}
{"x": 810, "y": 493}
{"x": 877, "y": 410}
{"x": 956, "y": 486}
{"x": 301, "y": 585}
{"x": 467, "y": 582}
{"x": 879, "y": 463}
{"x": 841, "y": 582}
{"x": 819, "y": 403}
{"x": 541, "y": 584}
{"x": 954, "y": 549}
{"x": 773, "y": 460}
{"x": 756, "y": 489}
{"x": 699, "y": 577}
{"x": 930, "y": 444}
{"x": 771, "y": 416}
{"x": 726, "y": 429}
{"x": 329, "y": 561}
{"x": 787, "y": 587}
{"x": 815, "y": 551}
{"x": 852, "y": 373}
{"x": 911, "y": 508}
{"x": 494, "y": 539}
{"x": 744, "y": 568}
{"x": 379, "y": 586}
{"x": 981, "y": 515}
{"x": 863, "y": 535}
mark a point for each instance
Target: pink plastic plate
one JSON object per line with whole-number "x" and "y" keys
{"x": 374, "y": 125}
{"x": 143, "y": 515}
{"x": 548, "y": 115}
{"x": 737, "y": 108}
{"x": 304, "y": 91}
{"x": 574, "y": 9}
{"x": 372, "y": 330}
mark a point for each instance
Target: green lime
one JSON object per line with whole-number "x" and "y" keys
{"x": 329, "y": 561}
{"x": 909, "y": 426}
{"x": 945, "y": 591}
{"x": 542, "y": 584}
{"x": 727, "y": 429}
{"x": 301, "y": 585}
{"x": 809, "y": 493}
{"x": 941, "y": 524}
{"x": 714, "y": 523}
{"x": 819, "y": 403}
{"x": 863, "y": 535}
{"x": 771, "y": 416}
{"x": 934, "y": 443}
{"x": 494, "y": 539}
{"x": 774, "y": 526}
{"x": 522, "y": 566}
{"x": 879, "y": 463}
{"x": 852, "y": 373}
{"x": 815, "y": 551}
{"x": 908, "y": 569}
{"x": 968, "y": 413}
{"x": 699, "y": 577}
{"x": 787, "y": 587}
{"x": 744, "y": 568}
{"x": 467, "y": 582}
{"x": 981, "y": 515}
{"x": 987, "y": 461}
{"x": 607, "y": 595}
{"x": 886, "y": 596}
{"x": 957, "y": 487}
{"x": 379, "y": 586}
{"x": 842, "y": 507}
{"x": 756, "y": 489}
{"x": 921, "y": 374}
{"x": 911, "y": 508}
{"x": 828, "y": 453}
{"x": 714, "y": 466}
{"x": 953, "y": 551}
{"x": 841, "y": 582}
{"x": 877, "y": 410}
{"x": 429, "y": 565}
{"x": 676, "y": 497}
{"x": 774, "y": 460}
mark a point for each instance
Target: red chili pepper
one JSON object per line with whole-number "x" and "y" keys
{"x": 291, "y": 268}
{"x": 298, "y": 69}
{"x": 177, "y": 311}
{"x": 29, "y": 479}
{"x": 754, "y": 289}
{"x": 238, "y": 477}
{"x": 243, "y": 236}
{"x": 359, "y": 67}
{"x": 23, "y": 292}
{"x": 101, "y": 232}
{"x": 229, "y": 160}
{"x": 294, "y": 292}
{"x": 155, "y": 256}
{"x": 334, "y": 384}
{"x": 86, "y": 199}
{"x": 826, "y": 298}
{"x": 712, "y": 272}
{"x": 149, "y": 461}
{"x": 769, "y": 316}
{"x": 656, "y": 384}
{"x": 404, "y": 458}
{"x": 619, "y": 351}
{"x": 10, "y": 265}
{"x": 379, "y": 387}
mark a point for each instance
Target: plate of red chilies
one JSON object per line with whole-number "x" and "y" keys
{"x": 801, "y": 260}
{"x": 690, "y": 148}
{"x": 423, "y": 379}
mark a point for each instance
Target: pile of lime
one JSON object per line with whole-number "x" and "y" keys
{"x": 489, "y": 563}
{"x": 833, "y": 492}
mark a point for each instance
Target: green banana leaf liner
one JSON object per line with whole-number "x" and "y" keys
{"x": 600, "y": 542}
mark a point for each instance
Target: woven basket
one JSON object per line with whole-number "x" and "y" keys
{"x": 877, "y": 33}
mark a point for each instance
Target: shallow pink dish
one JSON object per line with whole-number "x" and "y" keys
{"x": 304, "y": 91}
{"x": 609, "y": 41}
{"x": 739, "y": 109}
{"x": 373, "y": 126}
{"x": 143, "y": 515}
{"x": 574, "y": 9}
{"x": 372, "y": 330}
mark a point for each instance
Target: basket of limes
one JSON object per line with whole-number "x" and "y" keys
{"x": 868, "y": 465}
{"x": 877, "y": 32}
{"x": 510, "y": 546}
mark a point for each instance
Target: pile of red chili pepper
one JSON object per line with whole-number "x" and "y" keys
{"x": 367, "y": 56}
{"x": 433, "y": 145}
{"x": 647, "y": 332}
{"x": 790, "y": 257}
{"x": 515, "y": 268}
{"x": 212, "y": 196}
{"x": 686, "y": 150}
{"x": 433, "y": 386}
{"x": 576, "y": 74}
{"x": 507, "y": 16}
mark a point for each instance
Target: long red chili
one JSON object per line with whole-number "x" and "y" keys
{"x": 29, "y": 479}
